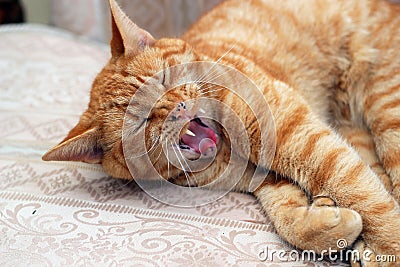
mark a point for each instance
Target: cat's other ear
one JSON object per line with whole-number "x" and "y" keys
{"x": 127, "y": 37}
{"x": 82, "y": 146}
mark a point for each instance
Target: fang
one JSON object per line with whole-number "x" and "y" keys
{"x": 189, "y": 132}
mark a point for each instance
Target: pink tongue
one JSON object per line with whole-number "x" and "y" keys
{"x": 201, "y": 133}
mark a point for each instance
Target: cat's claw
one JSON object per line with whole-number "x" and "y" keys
{"x": 321, "y": 200}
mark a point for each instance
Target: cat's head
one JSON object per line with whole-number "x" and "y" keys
{"x": 136, "y": 57}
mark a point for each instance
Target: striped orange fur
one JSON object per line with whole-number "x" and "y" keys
{"x": 329, "y": 71}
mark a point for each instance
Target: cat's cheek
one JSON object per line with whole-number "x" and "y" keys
{"x": 116, "y": 167}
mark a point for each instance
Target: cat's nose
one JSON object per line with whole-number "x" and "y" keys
{"x": 182, "y": 112}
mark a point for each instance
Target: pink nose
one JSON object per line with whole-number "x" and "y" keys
{"x": 181, "y": 112}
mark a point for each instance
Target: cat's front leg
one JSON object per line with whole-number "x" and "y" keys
{"x": 312, "y": 154}
{"x": 326, "y": 165}
{"x": 317, "y": 226}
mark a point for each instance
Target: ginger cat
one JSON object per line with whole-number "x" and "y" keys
{"x": 330, "y": 73}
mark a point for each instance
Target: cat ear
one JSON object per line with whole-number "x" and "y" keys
{"x": 82, "y": 147}
{"x": 127, "y": 37}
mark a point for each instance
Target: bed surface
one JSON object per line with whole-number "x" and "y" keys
{"x": 54, "y": 214}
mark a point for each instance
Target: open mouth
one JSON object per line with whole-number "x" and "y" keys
{"x": 199, "y": 138}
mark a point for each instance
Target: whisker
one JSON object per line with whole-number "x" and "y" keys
{"x": 210, "y": 91}
{"x": 183, "y": 158}
{"x": 208, "y": 74}
{"x": 183, "y": 168}
{"x": 210, "y": 83}
{"x": 216, "y": 75}
{"x": 215, "y": 63}
{"x": 166, "y": 148}
{"x": 187, "y": 164}
{"x": 124, "y": 185}
{"x": 158, "y": 157}
{"x": 206, "y": 87}
{"x": 147, "y": 152}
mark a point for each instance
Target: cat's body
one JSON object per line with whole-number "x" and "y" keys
{"x": 329, "y": 70}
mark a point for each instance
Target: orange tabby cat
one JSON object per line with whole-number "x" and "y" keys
{"x": 329, "y": 70}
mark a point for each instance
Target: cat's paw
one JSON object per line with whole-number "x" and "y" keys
{"x": 364, "y": 256}
{"x": 381, "y": 247}
{"x": 332, "y": 223}
{"x": 323, "y": 223}
{"x": 367, "y": 257}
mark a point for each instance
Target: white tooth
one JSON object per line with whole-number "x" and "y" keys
{"x": 189, "y": 132}
{"x": 202, "y": 110}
